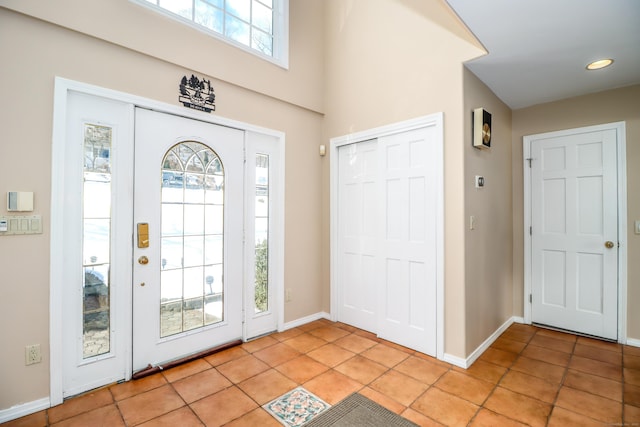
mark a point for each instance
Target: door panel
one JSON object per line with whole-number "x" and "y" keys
{"x": 95, "y": 235}
{"x": 574, "y": 213}
{"x": 187, "y": 283}
{"x": 263, "y": 235}
{"x": 407, "y": 312}
{"x": 358, "y": 223}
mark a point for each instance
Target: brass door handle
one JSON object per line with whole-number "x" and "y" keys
{"x": 143, "y": 260}
{"x": 609, "y": 244}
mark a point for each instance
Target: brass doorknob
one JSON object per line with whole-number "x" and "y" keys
{"x": 608, "y": 244}
{"x": 143, "y": 260}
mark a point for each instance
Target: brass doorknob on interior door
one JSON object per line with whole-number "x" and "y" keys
{"x": 143, "y": 260}
{"x": 609, "y": 244}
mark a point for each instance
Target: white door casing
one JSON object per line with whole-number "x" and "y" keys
{"x": 387, "y": 232}
{"x": 575, "y": 249}
{"x": 115, "y": 109}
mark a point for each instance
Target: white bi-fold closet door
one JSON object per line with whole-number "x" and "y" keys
{"x": 388, "y": 235}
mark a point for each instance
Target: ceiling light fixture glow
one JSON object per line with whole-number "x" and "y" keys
{"x": 600, "y": 63}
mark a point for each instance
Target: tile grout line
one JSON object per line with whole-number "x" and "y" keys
{"x": 497, "y": 384}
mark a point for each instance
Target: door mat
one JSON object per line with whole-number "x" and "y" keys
{"x": 357, "y": 411}
{"x": 296, "y": 407}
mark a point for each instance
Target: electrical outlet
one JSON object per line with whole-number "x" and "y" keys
{"x": 287, "y": 295}
{"x": 32, "y": 354}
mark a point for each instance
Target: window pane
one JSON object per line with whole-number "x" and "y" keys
{"x": 209, "y": 16}
{"x": 171, "y": 252}
{"x": 191, "y": 241}
{"x": 262, "y": 42}
{"x": 172, "y": 219}
{"x": 96, "y": 306}
{"x": 262, "y": 17}
{"x": 179, "y": 7}
{"x": 213, "y": 250}
{"x": 193, "y": 282}
{"x": 261, "y": 286}
{"x": 237, "y": 30}
{"x": 193, "y": 251}
{"x": 96, "y": 240}
{"x": 193, "y": 313}
{"x": 240, "y": 8}
{"x": 97, "y": 195}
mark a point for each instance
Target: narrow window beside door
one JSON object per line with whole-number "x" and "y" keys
{"x": 262, "y": 234}
{"x": 96, "y": 240}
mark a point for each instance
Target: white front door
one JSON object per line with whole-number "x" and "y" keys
{"x": 387, "y": 240}
{"x": 149, "y": 258}
{"x": 188, "y": 267}
{"x": 574, "y": 232}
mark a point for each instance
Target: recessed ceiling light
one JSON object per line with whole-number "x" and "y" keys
{"x": 600, "y": 63}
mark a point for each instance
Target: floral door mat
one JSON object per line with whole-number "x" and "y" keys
{"x": 296, "y": 407}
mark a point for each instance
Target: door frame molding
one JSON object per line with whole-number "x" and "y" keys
{"x": 620, "y": 129}
{"x": 62, "y": 87}
{"x": 404, "y": 126}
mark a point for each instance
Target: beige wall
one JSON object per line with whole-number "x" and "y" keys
{"x": 373, "y": 79}
{"x": 140, "y": 29}
{"x": 34, "y": 52}
{"x": 488, "y": 247}
{"x": 605, "y": 107}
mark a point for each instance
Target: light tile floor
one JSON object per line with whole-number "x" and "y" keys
{"x": 529, "y": 376}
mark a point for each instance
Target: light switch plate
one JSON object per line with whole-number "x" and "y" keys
{"x": 30, "y": 224}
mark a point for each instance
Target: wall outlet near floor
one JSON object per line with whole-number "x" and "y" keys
{"x": 287, "y": 295}
{"x": 32, "y": 354}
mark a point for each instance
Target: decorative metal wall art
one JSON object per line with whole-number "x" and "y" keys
{"x": 197, "y": 94}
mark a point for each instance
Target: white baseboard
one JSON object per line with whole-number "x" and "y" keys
{"x": 633, "y": 342}
{"x": 466, "y": 363}
{"x": 455, "y": 360}
{"x": 305, "y": 320}
{"x": 23, "y": 409}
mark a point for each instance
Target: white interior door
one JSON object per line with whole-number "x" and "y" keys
{"x": 408, "y": 243}
{"x": 188, "y": 270}
{"x": 358, "y": 233}
{"x": 574, "y": 235}
{"x": 387, "y": 241}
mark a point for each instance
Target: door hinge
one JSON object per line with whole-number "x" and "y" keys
{"x": 530, "y": 231}
{"x": 530, "y": 298}
{"x": 529, "y": 160}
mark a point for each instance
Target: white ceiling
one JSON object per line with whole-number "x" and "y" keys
{"x": 538, "y": 49}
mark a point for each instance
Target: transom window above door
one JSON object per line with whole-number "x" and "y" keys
{"x": 257, "y": 26}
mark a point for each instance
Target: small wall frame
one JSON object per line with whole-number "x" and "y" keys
{"x": 481, "y": 128}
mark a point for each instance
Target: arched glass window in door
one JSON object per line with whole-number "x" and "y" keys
{"x": 192, "y": 239}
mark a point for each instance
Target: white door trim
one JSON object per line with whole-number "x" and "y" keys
{"x": 62, "y": 88}
{"x": 420, "y": 122}
{"x": 619, "y": 127}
